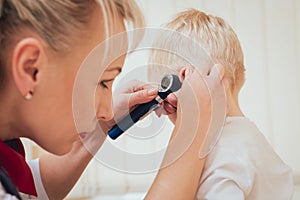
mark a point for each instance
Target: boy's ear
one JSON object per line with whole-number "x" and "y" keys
{"x": 183, "y": 70}
{"x": 221, "y": 70}
{"x": 27, "y": 61}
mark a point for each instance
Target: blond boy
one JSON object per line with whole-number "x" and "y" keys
{"x": 243, "y": 164}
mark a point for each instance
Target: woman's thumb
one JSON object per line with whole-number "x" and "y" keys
{"x": 142, "y": 96}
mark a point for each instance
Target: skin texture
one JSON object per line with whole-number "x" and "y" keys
{"x": 232, "y": 107}
{"x": 182, "y": 176}
{"x": 47, "y": 118}
{"x": 51, "y": 75}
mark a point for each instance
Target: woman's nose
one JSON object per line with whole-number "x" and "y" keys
{"x": 105, "y": 113}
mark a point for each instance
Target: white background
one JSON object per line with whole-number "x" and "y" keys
{"x": 269, "y": 31}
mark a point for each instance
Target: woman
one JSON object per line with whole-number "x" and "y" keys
{"x": 43, "y": 44}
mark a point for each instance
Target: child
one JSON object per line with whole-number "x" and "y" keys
{"x": 243, "y": 164}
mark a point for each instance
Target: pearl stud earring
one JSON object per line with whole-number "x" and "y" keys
{"x": 29, "y": 95}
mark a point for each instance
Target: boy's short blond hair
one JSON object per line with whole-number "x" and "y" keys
{"x": 213, "y": 34}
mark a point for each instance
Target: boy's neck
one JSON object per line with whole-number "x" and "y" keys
{"x": 233, "y": 108}
{"x": 234, "y": 111}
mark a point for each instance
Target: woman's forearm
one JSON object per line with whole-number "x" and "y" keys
{"x": 60, "y": 173}
{"x": 180, "y": 179}
{"x": 182, "y": 167}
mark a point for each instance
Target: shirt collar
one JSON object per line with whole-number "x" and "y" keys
{"x": 13, "y": 162}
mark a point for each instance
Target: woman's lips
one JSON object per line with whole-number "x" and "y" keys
{"x": 83, "y": 135}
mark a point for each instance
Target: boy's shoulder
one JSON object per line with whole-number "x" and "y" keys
{"x": 239, "y": 133}
{"x": 240, "y": 143}
{"x": 243, "y": 146}
{"x": 245, "y": 158}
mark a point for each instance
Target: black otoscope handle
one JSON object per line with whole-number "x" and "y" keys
{"x": 133, "y": 117}
{"x": 169, "y": 84}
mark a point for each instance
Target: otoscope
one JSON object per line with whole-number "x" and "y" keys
{"x": 169, "y": 84}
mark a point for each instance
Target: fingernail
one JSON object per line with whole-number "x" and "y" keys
{"x": 152, "y": 92}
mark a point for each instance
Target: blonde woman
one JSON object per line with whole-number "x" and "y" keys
{"x": 43, "y": 43}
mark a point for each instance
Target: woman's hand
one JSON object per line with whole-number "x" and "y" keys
{"x": 170, "y": 104}
{"x": 127, "y": 97}
{"x": 181, "y": 168}
{"x": 169, "y": 107}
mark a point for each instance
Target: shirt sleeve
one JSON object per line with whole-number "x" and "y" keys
{"x": 35, "y": 169}
{"x": 225, "y": 177}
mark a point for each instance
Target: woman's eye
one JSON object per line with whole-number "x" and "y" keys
{"x": 106, "y": 83}
{"x": 102, "y": 83}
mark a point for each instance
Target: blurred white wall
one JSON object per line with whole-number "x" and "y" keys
{"x": 269, "y": 31}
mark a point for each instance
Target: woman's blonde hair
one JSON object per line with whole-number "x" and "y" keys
{"x": 213, "y": 34}
{"x": 58, "y": 21}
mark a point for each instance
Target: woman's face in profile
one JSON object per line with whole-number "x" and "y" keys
{"x": 51, "y": 113}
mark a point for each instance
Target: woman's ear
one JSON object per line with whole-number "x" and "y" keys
{"x": 27, "y": 61}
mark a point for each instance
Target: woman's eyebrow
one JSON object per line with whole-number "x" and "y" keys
{"x": 107, "y": 80}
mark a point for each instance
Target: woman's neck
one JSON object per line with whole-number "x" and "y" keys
{"x": 6, "y": 128}
{"x": 8, "y": 121}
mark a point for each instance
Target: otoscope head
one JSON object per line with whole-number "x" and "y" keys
{"x": 169, "y": 84}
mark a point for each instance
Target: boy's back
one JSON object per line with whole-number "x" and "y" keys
{"x": 243, "y": 165}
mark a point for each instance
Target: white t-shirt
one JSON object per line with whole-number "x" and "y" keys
{"x": 35, "y": 170}
{"x": 39, "y": 187}
{"x": 243, "y": 165}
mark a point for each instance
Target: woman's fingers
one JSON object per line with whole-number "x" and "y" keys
{"x": 170, "y": 109}
{"x": 133, "y": 93}
{"x": 172, "y": 99}
{"x": 142, "y": 96}
{"x": 159, "y": 111}
{"x": 144, "y": 86}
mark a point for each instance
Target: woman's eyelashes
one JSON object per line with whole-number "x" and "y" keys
{"x": 103, "y": 83}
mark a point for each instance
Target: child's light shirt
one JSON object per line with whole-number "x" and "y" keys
{"x": 243, "y": 165}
